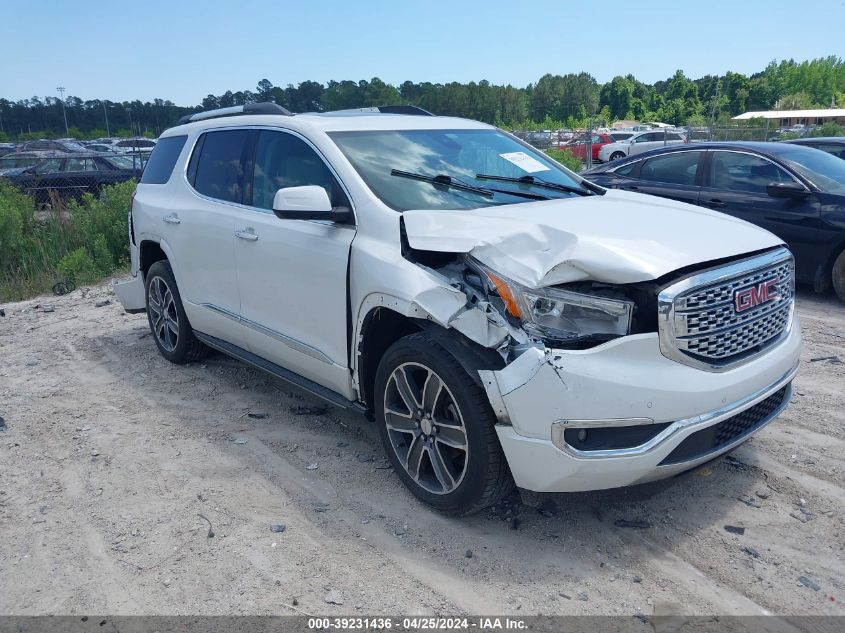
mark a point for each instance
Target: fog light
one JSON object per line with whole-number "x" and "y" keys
{"x": 582, "y": 435}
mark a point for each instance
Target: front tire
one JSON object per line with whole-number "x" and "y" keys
{"x": 838, "y": 276}
{"x": 168, "y": 323}
{"x": 437, "y": 427}
{"x": 617, "y": 155}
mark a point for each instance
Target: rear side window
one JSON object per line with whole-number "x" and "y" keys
{"x": 677, "y": 168}
{"x": 222, "y": 163}
{"x": 162, "y": 160}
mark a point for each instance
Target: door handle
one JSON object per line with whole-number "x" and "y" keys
{"x": 171, "y": 219}
{"x": 715, "y": 203}
{"x": 247, "y": 234}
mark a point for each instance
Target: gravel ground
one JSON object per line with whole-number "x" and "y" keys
{"x": 117, "y": 467}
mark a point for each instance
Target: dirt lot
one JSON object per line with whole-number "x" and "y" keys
{"x": 110, "y": 455}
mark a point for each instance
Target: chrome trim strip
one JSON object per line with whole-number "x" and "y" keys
{"x": 695, "y": 423}
{"x": 299, "y": 346}
{"x": 661, "y": 472}
{"x": 666, "y": 309}
{"x": 603, "y": 422}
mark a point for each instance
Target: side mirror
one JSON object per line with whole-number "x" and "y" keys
{"x": 310, "y": 202}
{"x": 786, "y": 190}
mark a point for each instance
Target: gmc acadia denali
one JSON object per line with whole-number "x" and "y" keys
{"x": 503, "y": 320}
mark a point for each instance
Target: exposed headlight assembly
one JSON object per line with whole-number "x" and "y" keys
{"x": 561, "y": 315}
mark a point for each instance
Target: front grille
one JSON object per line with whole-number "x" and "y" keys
{"x": 701, "y": 325}
{"x": 727, "y": 431}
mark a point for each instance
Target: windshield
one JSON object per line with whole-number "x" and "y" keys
{"x": 825, "y": 171}
{"x": 459, "y": 154}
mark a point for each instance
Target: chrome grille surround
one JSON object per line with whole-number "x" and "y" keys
{"x": 699, "y": 326}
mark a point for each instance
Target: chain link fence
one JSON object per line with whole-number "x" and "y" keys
{"x": 53, "y": 179}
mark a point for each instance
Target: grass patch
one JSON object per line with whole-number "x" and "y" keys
{"x": 87, "y": 243}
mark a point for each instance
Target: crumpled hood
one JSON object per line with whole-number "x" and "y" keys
{"x": 620, "y": 237}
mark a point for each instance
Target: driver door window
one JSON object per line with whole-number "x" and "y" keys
{"x": 284, "y": 160}
{"x": 733, "y": 171}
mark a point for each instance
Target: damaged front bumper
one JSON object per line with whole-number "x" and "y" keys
{"x": 131, "y": 293}
{"x": 622, "y": 413}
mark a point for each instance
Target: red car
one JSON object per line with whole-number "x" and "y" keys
{"x": 578, "y": 145}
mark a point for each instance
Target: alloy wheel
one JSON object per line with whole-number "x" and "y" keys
{"x": 426, "y": 428}
{"x": 164, "y": 318}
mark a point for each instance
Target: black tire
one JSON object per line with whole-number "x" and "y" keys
{"x": 485, "y": 478}
{"x": 838, "y": 276}
{"x": 183, "y": 347}
{"x": 617, "y": 155}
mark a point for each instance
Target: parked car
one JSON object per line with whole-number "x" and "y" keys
{"x": 578, "y": 146}
{"x": 66, "y": 177}
{"x": 831, "y": 144}
{"x": 540, "y": 140}
{"x": 7, "y": 148}
{"x": 638, "y": 143}
{"x": 797, "y": 193}
{"x": 22, "y": 160}
{"x": 500, "y": 318}
{"x": 56, "y": 145}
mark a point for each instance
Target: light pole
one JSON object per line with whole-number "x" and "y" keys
{"x": 129, "y": 112}
{"x": 106, "y": 114}
{"x": 61, "y": 91}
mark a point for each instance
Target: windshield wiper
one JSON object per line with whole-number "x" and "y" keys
{"x": 531, "y": 180}
{"x": 444, "y": 180}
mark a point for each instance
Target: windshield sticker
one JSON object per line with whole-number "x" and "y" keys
{"x": 525, "y": 162}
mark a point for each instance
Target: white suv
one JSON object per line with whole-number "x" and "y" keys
{"x": 500, "y": 318}
{"x": 639, "y": 143}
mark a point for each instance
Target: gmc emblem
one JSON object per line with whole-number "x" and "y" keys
{"x": 752, "y": 296}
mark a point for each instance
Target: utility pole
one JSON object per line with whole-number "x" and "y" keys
{"x": 61, "y": 91}
{"x": 106, "y": 114}
{"x": 129, "y": 112}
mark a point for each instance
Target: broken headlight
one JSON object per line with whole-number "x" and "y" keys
{"x": 562, "y": 315}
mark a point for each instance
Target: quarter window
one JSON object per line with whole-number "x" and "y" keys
{"x": 284, "y": 160}
{"x": 677, "y": 168}
{"x": 162, "y": 160}
{"x": 744, "y": 172}
{"x": 222, "y": 164}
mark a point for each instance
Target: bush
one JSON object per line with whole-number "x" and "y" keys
{"x": 87, "y": 243}
{"x": 565, "y": 158}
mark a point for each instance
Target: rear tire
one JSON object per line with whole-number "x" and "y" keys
{"x": 168, "y": 323}
{"x": 838, "y": 276}
{"x": 617, "y": 155}
{"x": 437, "y": 427}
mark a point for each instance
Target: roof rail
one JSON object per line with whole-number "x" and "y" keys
{"x": 404, "y": 109}
{"x": 265, "y": 107}
{"x": 388, "y": 109}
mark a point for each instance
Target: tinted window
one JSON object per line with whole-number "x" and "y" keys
{"x": 625, "y": 170}
{"x": 284, "y": 160}
{"x": 744, "y": 172}
{"x": 79, "y": 164}
{"x": 49, "y": 166}
{"x": 162, "y": 160}
{"x": 646, "y": 138}
{"x": 836, "y": 150}
{"x": 222, "y": 164}
{"x": 678, "y": 168}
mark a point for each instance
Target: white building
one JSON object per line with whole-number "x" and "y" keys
{"x": 788, "y": 118}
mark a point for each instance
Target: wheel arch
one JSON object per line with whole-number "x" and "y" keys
{"x": 383, "y": 324}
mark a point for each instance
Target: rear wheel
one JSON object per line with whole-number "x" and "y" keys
{"x": 171, "y": 331}
{"x": 838, "y": 276}
{"x": 617, "y": 155}
{"x": 437, "y": 427}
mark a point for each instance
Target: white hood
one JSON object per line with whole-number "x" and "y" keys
{"x": 620, "y": 237}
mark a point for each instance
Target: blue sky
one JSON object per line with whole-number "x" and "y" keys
{"x": 184, "y": 49}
